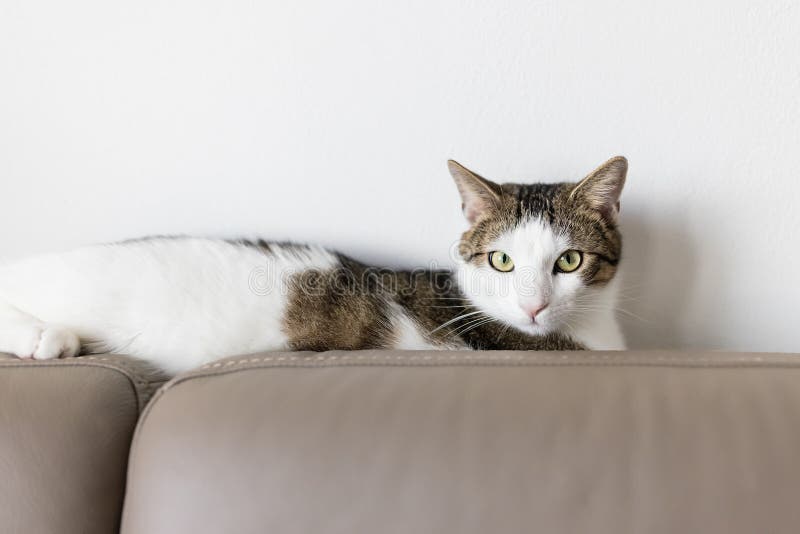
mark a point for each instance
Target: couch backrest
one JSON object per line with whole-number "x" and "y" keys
{"x": 401, "y": 442}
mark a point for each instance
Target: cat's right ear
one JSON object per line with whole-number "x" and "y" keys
{"x": 479, "y": 196}
{"x": 602, "y": 188}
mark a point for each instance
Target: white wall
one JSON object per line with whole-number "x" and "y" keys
{"x": 332, "y": 121}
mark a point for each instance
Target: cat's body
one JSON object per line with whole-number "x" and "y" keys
{"x": 182, "y": 302}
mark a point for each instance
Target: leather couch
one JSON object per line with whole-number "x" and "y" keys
{"x": 404, "y": 442}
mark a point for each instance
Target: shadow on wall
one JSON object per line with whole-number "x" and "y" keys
{"x": 658, "y": 276}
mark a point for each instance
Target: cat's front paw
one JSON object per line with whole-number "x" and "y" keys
{"x": 57, "y": 342}
{"x": 46, "y": 342}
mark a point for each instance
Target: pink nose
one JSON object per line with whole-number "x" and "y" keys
{"x": 533, "y": 312}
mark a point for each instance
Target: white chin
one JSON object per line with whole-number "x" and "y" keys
{"x": 534, "y": 329}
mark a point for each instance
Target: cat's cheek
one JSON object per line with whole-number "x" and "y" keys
{"x": 566, "y": 295}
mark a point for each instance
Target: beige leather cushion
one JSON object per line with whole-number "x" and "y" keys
{"x": 65, "y": 429}
{"x": 377, "y": 442}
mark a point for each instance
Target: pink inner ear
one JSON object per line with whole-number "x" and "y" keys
{"x": 468, "y": 213}
{"x": 604, "y": 195}
{"x": 473, "y": 209}
{"x": 610, "y": 212}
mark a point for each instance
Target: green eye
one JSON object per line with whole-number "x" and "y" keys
{"x": 501, "y": 261}
{"x": 569, "y": 261}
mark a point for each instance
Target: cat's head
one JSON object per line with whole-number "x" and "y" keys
{"x": 541, "y": 257}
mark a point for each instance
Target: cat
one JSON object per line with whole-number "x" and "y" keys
{"x": 536, "y": 272}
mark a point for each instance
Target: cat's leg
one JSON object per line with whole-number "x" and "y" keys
{"x": 25, "y": 336}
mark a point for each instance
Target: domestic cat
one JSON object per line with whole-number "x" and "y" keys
{"x": 537, "y": 272}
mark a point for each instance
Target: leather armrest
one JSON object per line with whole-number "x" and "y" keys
{"x": 65, "y": 430}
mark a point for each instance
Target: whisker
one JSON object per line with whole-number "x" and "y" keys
{"x": 611, "y": 308}
{"x": 451, "y": 321}
{"x": 475, "y": 325}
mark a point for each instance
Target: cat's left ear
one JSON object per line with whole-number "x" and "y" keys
{"x": 479, "y": 196}
{"x": 603, "y": 187}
